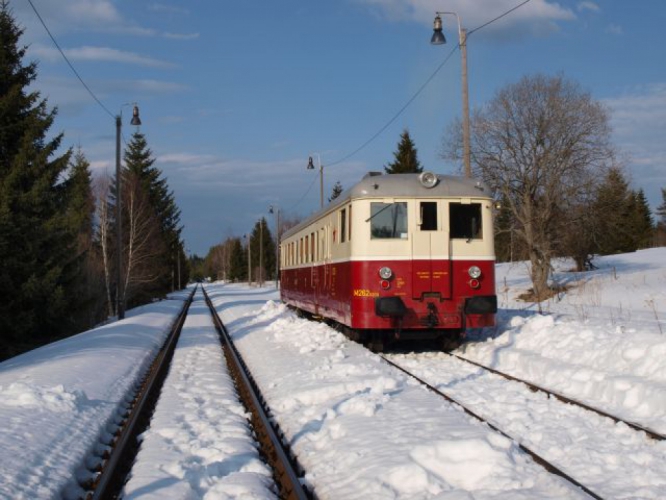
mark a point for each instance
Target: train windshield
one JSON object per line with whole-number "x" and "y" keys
{"x": 388, "y": 220}
{"x": 465, "y": 220}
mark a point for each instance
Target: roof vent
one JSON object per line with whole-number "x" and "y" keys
{"x": 372, "y": 174}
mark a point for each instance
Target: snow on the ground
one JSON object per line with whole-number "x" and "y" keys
{"x": 611, "y": 459}
{"x": 603, "y": 342}
{"x": 56, "y": 400}
{"x": 199, "y": 444}
{"x": 360, "y": 428}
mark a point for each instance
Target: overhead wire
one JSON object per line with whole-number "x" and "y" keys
{"x": 498, "y": 17}
{"x": 425, "y": 84}
{"x": 62, "y": 53}
{"x": 346, "y": 157}
{"x": 306, "y": 193}
{"x": 400, "y": 111}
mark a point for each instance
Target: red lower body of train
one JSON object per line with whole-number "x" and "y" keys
{"x": 421, "y": 298}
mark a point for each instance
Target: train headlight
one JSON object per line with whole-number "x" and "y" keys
{"x": 474, "y": 272}
{"x": 428, "y": 179}
{"x": 385, "y": 273}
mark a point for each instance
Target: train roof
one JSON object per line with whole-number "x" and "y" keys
{"x": 409, "y": 185}
{"x": 379, "y": 185}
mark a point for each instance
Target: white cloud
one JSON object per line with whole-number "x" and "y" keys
{"x": 538, "y": 15}
{"x": 614, "y": 29}
{"x": 181, "y": 36}
{"x": 69, "y": 16}
{"x": 86, "y": 11}
{"x": 169, "y": 9}
{"x": 96, "y": 54}
{"x": 155, "y": 86}
{"x": 639, "y": 121}
{"x": 589, "y": 6}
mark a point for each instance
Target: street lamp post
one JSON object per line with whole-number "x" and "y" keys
{"x": 276, "y": 211}
{"x": 261, "y": 252}
{"x": 439, "y": 39}
{"x": 321, "y": 177}
{"x": 249, "y": 260}
{"x": 120, "y": 296}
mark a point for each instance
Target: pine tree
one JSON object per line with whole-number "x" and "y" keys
{"x": 661, "y": 220}
{"x": 83, "y": 265}
{"x": 139, "y": 162}
{"x": 614, "y": 208}
{"x": 406, "y": 159}
{"x": 337, "y": 191}
{"x": 262, "y": 237}
{"x": 34, "y": 241}
{"x": 661, "y": 209}
{"x": 643, "y": 224}
{"x": 238, "y": 262}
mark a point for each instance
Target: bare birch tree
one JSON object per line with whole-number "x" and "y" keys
{"x": 142, "y": 245}
{"x": 103, "y": 215}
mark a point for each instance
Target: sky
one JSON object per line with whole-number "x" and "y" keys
{"x": 235, "y": 96}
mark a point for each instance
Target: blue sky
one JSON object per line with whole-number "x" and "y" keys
{"x": 235, "y": 96}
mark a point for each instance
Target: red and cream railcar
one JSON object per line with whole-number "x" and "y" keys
{"x": 396, "y": 255}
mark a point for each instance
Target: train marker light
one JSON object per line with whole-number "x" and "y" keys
{"x": 385, "y": 273}
{"x": 385, "y": 284}
{"x": 474, "y": 272}
{"x": 428, "y": 179}
{"x": 474, "y": 283}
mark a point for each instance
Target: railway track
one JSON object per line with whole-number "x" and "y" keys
{"x": 536, "y": 388}
{"x": 286, "y": 470}
{"x": 550, "y": 467}
{"x": 541, "y": 418}
{"x": 111, "y": 466}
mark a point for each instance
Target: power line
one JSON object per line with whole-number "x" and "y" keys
{"x": 498, "y": 17}
{"x": 400, "y": 111}
{"x": 418, "y": 92}
{"x": 69, "y": 63}
{"x": 306, "y": 193}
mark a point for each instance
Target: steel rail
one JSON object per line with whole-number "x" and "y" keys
{"x": 536, "y": 457}
{"x": 536, "y": 388}
{"x": 114, "y": 470}
{"x": 284, "y": 466}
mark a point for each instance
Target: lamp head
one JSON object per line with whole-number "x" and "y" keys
{"x": 438, "y": 37}
{"x": 135, "y": 116}
{"x": 310, "y": 164}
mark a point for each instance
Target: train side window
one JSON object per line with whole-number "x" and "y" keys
{"x": 350, "y": 223}
{"x": 428, "y": 216}
{"x": 388, "y": 220}
{"x": 465, "y": 220}
{"x": 312, "y": 248}
{"x": 343, "y": 225}
{"x": 307, "y": 249}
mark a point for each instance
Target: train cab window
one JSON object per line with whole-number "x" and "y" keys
{"x": 428, "y": 216}
{"x": 343, "y": 225}
{"x": 388, "y": 220}
{"x": 465, "y": 220}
